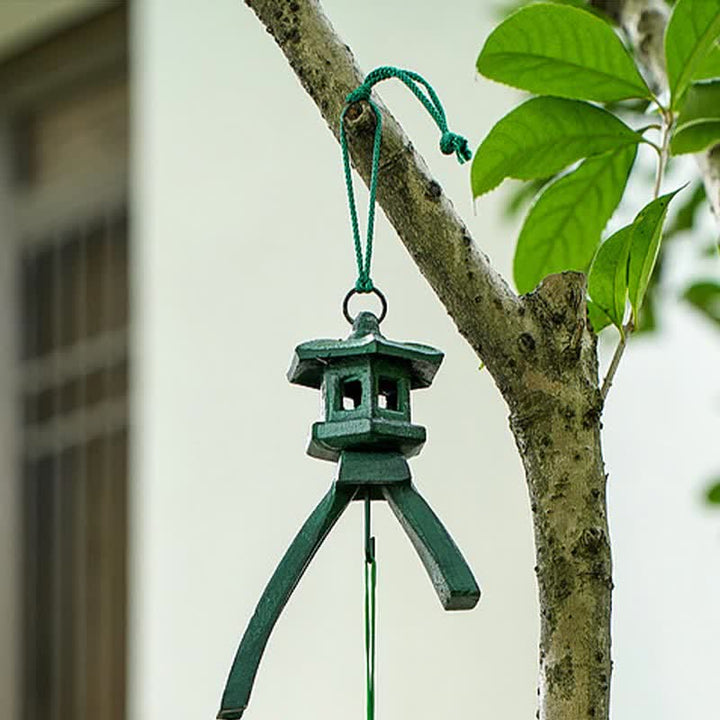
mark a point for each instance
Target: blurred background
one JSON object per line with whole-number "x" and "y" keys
{"x": 172, "y": 223}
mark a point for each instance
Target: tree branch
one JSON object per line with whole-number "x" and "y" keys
{"x": 539, "y": 348}
{"x": 480, "y": 302}
{"x": 557, "y": 431}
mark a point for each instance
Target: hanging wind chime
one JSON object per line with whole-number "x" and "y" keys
{"x": 365, "y": 381}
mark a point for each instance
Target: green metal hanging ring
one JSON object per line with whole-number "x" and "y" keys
{"x": 355, "y": 291}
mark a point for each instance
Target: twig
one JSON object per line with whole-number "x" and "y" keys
{"x": 617, "y": 356}
{"x": 667, "y": 124}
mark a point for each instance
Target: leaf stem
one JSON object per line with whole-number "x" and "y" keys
{"x": 617, "y": 356}
{"x": 667, "y": 122}
{"x": 661, "y": 108}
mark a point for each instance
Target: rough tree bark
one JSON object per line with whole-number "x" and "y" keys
{"x": 539, "y": 349}
{"x": 644, "y": 23}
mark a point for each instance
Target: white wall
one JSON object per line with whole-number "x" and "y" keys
{"x": 243, "y": 250}
{"x": 661, "y": 450}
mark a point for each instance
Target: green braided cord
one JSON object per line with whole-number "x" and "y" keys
{"x": 364, "y": 284}
{"x": 449, "y": 143}
{"x": 370, "y": 605}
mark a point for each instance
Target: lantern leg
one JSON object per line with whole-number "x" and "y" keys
{"x": 275, "y": 597}
{"x": 450, "y": 575}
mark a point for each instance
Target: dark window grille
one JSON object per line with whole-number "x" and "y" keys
{"x": 74, "y": 378}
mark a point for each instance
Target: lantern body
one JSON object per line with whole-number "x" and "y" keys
{"x": 365, "y": 382}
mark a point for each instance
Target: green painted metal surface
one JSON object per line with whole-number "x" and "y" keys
{"x": 449, "y": 573}
{"x": 275, "y": 597}
{"x": 366, "y": 382}
{"x": 328, "y": 439}
{"x": 372, "y": 468}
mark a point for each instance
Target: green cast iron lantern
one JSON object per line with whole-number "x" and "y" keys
{"x": 366, "y": 382}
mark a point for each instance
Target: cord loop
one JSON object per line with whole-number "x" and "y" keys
{"x": 450, "y": 143}
{"x": 361, "y": 92}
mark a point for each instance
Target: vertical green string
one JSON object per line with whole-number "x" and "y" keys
{"x": 370, "y": 604}
{"x": 449, "y": 143}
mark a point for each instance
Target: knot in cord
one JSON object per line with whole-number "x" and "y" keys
{"x": 364, "y": 285}
{"x": 451, "y": 142}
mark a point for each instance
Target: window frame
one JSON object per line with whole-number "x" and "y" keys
{"x": 31, "y": 80}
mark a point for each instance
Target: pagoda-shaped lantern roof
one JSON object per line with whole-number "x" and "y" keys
{"x": 311, "y": 358}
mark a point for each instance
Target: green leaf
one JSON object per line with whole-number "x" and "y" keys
{"x": 693, "y": 28}
{"x": 608, "y": 276}
{"x": 597, "y": 316}
{"x": 552, "y": 49}
{"x": 705, "y": 296}
{"x": 563, "y": 228}
{"x": 709, "y": 67}
{"x": 713, "y": 493}
{"x": 543, "y": 136}
{"x": 645, "y": 244}
{"x": 698, "y": 126}
{"x": 521, "y": 195}
{"x": 696, "y": 137}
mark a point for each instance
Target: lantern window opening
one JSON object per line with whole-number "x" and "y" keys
{"x": 351, "y": 393}
{"x": 388, "y": 395}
